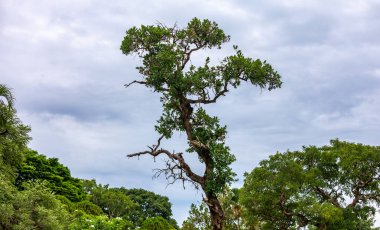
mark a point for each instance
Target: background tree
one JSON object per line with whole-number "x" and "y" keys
{"x": 88, "y": 207}
{"x": 35, "y": 207}
{"x": 37, "y": 166}
{"x": 198, "y": 219}
{"x": 149, "y": 205}
{"x": 113, "y": 201}
{"x": 166, "y": 69}
{"x": 329, "y": 187}
{"x": 232, "y": 209}
{"x": 13, "y": 134}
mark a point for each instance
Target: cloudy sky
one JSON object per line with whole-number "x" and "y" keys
{"x": 63, "y": 62}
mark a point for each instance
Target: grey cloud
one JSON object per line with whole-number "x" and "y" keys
{"x": 63, "y": 61}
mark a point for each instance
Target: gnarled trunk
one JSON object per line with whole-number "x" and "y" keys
{"x": 216, "y": 212}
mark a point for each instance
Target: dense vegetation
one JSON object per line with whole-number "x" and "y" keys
{"x": 37, "y": 192}
{"x": 330, "y": 187}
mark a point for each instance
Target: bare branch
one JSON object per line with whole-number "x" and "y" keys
{"x": 144, "y": 83}
{"x": 174, "y": 172}
{"x": 135, "y": 82}
{"x": 177, "y": 162}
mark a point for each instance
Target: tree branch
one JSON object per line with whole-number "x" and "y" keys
{"x": 174, "y": 172}
{"x": 359, "y": 196}
{"x": 209, "y": 101}
{"x": 135, "y": 82}
{"x": 327, "y": 196}
{"x": 188, "y": 54}
{"x": 177, "y": 162}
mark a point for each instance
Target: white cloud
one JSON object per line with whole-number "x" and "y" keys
{"x": 63, "y": 61}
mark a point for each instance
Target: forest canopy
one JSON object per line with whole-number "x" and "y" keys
{"x": 37, "y": 192}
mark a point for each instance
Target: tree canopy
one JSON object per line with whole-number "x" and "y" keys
{"x": 185, "y": 88}
{"x": 151, "y": 205}
{"x": 113, "y": 201}
{"x": 329, "y": 187}
{"x": 37, "y": 166}
{"x": 13, "y": 134}
{"x": 35, "y": 207}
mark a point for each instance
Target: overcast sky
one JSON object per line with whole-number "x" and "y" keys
{"x": 63, "y": 62}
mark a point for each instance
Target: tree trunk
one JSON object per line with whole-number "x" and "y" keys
{"x": 216, "y": 212}
{"x": 320, "y": 226}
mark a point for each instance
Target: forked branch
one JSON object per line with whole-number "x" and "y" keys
{"x": 205, "y": 100}
{"x": 176, "y": 164}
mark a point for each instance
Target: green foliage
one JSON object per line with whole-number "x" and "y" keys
{"x": 156, "y": 223}
{"x": 113, "y": 201}
{"x": 84, "y": 221}
{"x": 7, "y": 198}
{"x": 13, "y": 134}
{"x": 60, "y": 181}
{"x": 149, "y": 205}
{"x": 6, "y": 93}
{"x": 37, "y": 192}
{"x": 33, "y": 208}
{"x": 89, "y": 208}
{"x": 333, "y": 187}
{"x": 116, "y": 203}
{"x": 210, "y": 133}
{"x": 199, "y": 218}
{"x": 132, "y": 205}
{"x": 232, "y": 209}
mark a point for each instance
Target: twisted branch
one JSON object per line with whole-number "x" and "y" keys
{"x": 176, "y": 165}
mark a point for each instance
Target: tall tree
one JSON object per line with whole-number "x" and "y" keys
{"x": 185, "y": 89}
{"x": 329, "y": 187}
